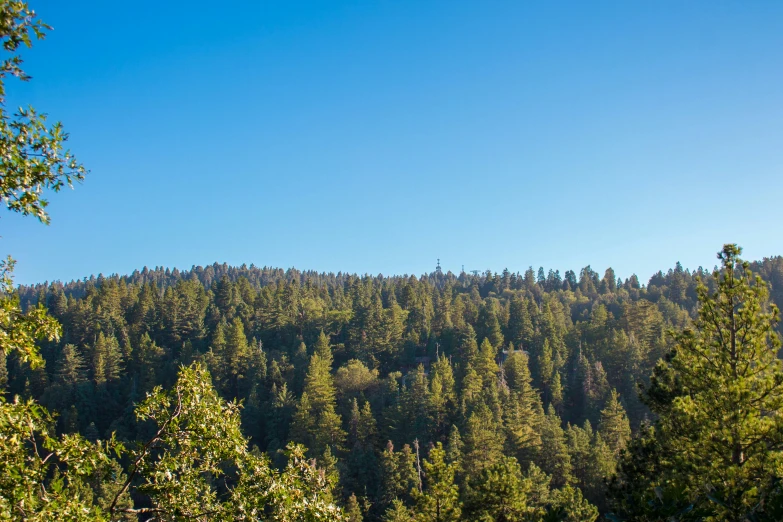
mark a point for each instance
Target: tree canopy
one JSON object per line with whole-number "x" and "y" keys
{"x": 248, "y": 393}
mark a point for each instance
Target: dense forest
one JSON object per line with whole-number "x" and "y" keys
{"x": 400, "y": 388}
{"x": 245, "y": 393}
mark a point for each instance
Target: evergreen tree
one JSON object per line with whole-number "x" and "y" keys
{"x": 216, "y": 358}
{"x": 441, "y": 322}
{"x": 488, "y": 326}
{"x": 327, "y": 466}
{"x": 397, "y": 512}
{"x": 362, "y": 463}
{"x": 545, "y": 369}
{"x": 472, "y": 392}
{"x": 483, "y": 440}
{"x": 316, "y": 422}
{"x": 71, "y": 369}
{"x": 279, "y": 416}
{"x": 553, "y": 457}
{"x": 442, "y": 396}
{"x": 324, "y": 350}
{"x": 454, "y": 448}
{"x": 303, "y": 423}
{"x": 719, "y": 398}
{"x": 399, "y": 475}
{"x": 106, "y": 359}
{"x": 485, "y": 365}
{"x": 502, "y": 494}
{"x": 439, "y": 501}
{"x": 580, "y": 449}
{"x": 146, "y": 363}
{"x": 467, "y": 349}
{"x": 600, "y": 469}
{"x": 556, "y": 392}
{"x": 237, "y": 354}
{"x": 614, "y": 426}
{"x": 520, "y": 326}
{"x": 353, "y": 510}
{"x": 523, "y": 417}
{"x": 568, "y": 505}
{"x": 416, "y": 405}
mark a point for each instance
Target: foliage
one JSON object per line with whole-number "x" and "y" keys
{"x": 716, "y": 447}
{"x": 19, "y": 331}
{"x": 439, "y": 500}
{"x": 458, "y": 368}
{"x": 43, "y": 477}
{"x": 32, "y": 157}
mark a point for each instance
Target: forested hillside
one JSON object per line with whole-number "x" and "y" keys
{"x": 257, "y": 394}
{"x": 382, "y": 378}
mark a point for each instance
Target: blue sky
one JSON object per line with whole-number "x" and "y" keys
{"x": 375, "y": 137}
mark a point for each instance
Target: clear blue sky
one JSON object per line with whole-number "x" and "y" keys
{"x": 375, "y": 137}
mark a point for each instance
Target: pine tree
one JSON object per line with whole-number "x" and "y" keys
{"x": 303, "y": 422}
{"x": 397, "y": 512}
{"x": 398, "y": 473}
{"x": 538, "y": 487}
{"x": 71, "y": 369}
{"x": 439, "y": 501}
{"x": 394, "y": 326}
{"x": 147, "y": 358}
{"x": 216, "y": 358}
{"x": 601, "y": 467}
{"x": 454, "y": 448}
{"x": 328, "y": 431}
{"x": 614, "y": 426}
{"x": 517, "y": 373}
{"x": 545, "y": 369}
{"x": 319, "y": 383}
{"x": 316, "y": 420}
{"x": 580, "y": 449}
{"x": 324, "y": 350}
{"x": 416, "y": 405}
{"x": 502, "y": 493}
{"x": 353, "y": 510}
{"x": 353, "y": 422}
{"x": 300, "y": 362}
{"x": 472, "y": 392}
{"x": 556, "y": 392}
{"x": 523, "y": 417}
{"x": 391, "y": 476}
{"x": 568, "y": 505}
{"x": 441, "y": 322}
{"x": 362, "y": 464}
{"x": 252, "y": 418}
{"x": 257, "y": 363}
{"x": 237, "y": 354}
{"x": 282, "y": 405}
{"x": 106, "y": 359}
{"x": 466, "y": 349}
{"x": 485, "y": 365}
{"x": 488, "y": 326}
{"x": 522, "y": 412}
{"x": 442, "y": 396}
{"x": 520, "y": 326}
{"x": 483, "y": 440}
{"x": 719, "y": 398}
{"x": 553, "y": 457}
{"x": 328, "y": 465}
